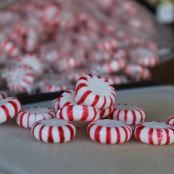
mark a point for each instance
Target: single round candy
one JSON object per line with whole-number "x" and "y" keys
{"x": 3, "y": 95}
{"x": 53, "y": 131}
{"x": 20, "y": 79}
{"x": 27, "y": 117}
{"x": 33, "y": 62}
{"x": 78, "y": 113}
{"x": 93, "y": 90}
{"x": 155, "y": 133}
{"x": 170, "y": 120}
{"x": 9, "y": 108}
{"x": 131, "y": 115}
{"x": 109, "y": 131}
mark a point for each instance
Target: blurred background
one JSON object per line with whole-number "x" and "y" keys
{"x": 46, "y": 45}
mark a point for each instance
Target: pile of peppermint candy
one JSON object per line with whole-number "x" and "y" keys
{"x": 43, "y": 42}
{"x": 91, "y": 104}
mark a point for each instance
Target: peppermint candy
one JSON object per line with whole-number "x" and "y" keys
{"x": 155, "y": 133}
{"x": 53, "y": 131}
{"x": 27, "y": 117}
{"x": 93, "y": 90}
{"x": 131, "y": 115}
{"x": 109, "y": 131}
{"x": 9, "y": 108}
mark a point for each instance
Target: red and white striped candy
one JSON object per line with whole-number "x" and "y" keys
{"x": 137, "y": 72}
{"x": 33, "y": 62}
{"x": 78, "y": 113}
{"x": 106, "y": 112}
{"x": 111, "y": 67}
{"x": 66, "y": 99}
{"x": 9, "y": 108}
{"x": 109, "y": 131}
{"x": 20, "y": 79}
{"x": 155, "y": 133}
{"x": 170, "y": 120}
{"x": 131, "y": 115}
{"x": 27, "y": 117}
{"x": 53, "y": 131}
{"x": 145, "y": 57}
{"x": 3, "y": 95}
{"x": 93, "y": 90}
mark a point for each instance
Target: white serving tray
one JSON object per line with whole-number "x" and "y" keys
{"x": 21, "y": 154}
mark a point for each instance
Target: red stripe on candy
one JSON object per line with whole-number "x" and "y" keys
{"x": 85, "y": 113}
{"x": 83, "y": 98}
{"x": 108, "y": 135}
{"x": 95, "y": 100}
{"x": 70, "y": 113}
{"x": 40, "y": 133}
{"x": 150, "y": 136}
{"x": 97, "y": 133}
{"x": 61, "y": 134}
{"x": 159, "y": 135}
{"x": 118, "y": 135}
{"x": 134, "y": 117}
{"x": 14, "y": 106}
{"x": 8, "y": 117}
{"x": 50, "y": 134}
{"x": 125, "y": 116}
{"x": 138, "y": 130}
{"x": 81, "y": 85}
{"x": 104, "y": 103}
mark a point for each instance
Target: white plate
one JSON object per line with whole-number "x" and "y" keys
{"x": 21, "y": 154}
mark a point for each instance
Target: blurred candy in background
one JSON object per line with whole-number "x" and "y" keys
{"x": 47, "y": 45}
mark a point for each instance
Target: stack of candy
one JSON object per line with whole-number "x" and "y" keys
{"x": 47, "y": 45}
{"x": 93, "y": 102}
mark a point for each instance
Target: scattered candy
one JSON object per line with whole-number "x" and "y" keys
{"x": 131, "y": 115}
{"x": 78, "y": 113}
{"x": 57, "y": 38}
{"x": 109, "y": 131}
{"x": 155, "y": 133}
{"x": 33, "y": 62}
{"x": 53, "y": 131}
{"x": 93, "y": 90}
{"x": 27, "y": 117}
{"x": 9, "y": 108}
{"x": 20, "y": 79}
